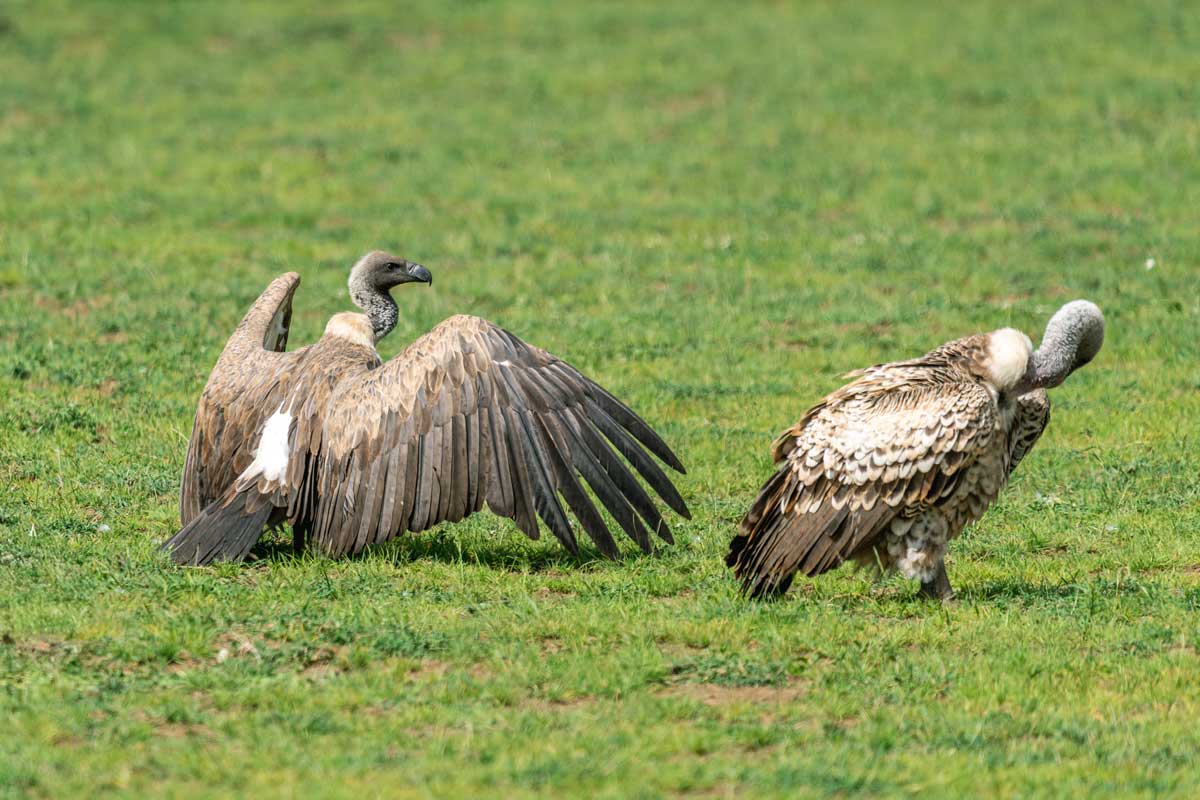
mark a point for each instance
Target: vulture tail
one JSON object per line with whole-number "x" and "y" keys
{"x": 776, "y": 540}
{"x": 224, "y": 531}
{"x": 755, "y": 552}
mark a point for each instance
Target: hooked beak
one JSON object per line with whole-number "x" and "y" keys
{"x": 418, "y": 273}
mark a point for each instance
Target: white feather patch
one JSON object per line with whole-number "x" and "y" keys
{"x": 352, "y": 327}
{"x": 1008, "y": 356}
{"x": 271, "y": 456}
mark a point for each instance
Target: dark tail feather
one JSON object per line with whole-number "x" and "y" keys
{"x": 223, "y": 531}
{"x": 764, "y": 561}
{"x": 758, "y": 537}
{"x": 772, "y": 544}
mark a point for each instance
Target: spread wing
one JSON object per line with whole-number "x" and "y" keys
{"x": 890, "y": 444}
{"x": 470, "y": 414}
{"x": 245, "y": 386}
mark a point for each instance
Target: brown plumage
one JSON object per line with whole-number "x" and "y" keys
{"x": 889, "y": 468}
{"x": 352, "y": 451}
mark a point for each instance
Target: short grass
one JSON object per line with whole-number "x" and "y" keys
{"x": 712, "y": 209}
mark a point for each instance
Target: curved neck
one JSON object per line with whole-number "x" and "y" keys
{"x": 1052, "y": 362}
{"x": 1072, "y": 338}
{"x": 378, "y": 305}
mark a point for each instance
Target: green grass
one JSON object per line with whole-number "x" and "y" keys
{"x": 714, "y": 211}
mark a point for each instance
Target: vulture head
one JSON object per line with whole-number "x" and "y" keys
{"x": 371, "y": 281}
{"x": 378, "y": 271}
{"x": 1073, "y": 337}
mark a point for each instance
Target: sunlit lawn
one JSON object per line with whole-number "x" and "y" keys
{"x": 714, "y": 210}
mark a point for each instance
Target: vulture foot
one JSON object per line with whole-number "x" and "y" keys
{"x": 938, "y": 588}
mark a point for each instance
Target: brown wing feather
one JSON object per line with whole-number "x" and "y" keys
{"x": 887, "y": 444}
{"x": 1033, "y": 414}
{"x": 491, "y": 419}
{"x": 245, "y": 387}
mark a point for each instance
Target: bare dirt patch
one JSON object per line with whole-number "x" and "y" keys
{"x": 1187, "y": 571}
{"x": 681, "y": 106}
{"x": 320, "y": 671}
{"x": 672, "y": 649}
{"x": 40, "y": 646}
{"x": 325, "y": 662}
{"x": 216, "y": 45}
{"x": 183, "y": 663}
{"x": 16, "y": 118}
{"x": 81, "y": 307}
{"x": 432, "y": 669}
{"x": 427, "y": 41}
{"x": 429, "y": 669}
{"x": 233, "y": 645}
{"x": 716, "y": 695}
{"x": 557, "y": 704}
{"x": 720, "y": 790}
{"x": 181, "y": 730}
{"x": 548, "y": 592}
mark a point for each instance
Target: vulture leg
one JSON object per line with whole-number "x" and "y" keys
{"x": 938, "y": 588}
{"x": 300, "y": 533}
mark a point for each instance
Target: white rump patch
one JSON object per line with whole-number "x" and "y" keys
{"x": 1008, "y": 356}
{"x": 271, "y": 456}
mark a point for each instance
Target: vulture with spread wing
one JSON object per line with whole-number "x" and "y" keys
{"x": 352, "y": 451}
{"x": 889, "y": 468}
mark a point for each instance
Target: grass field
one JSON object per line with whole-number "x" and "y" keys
{"x": 714, "y": 210}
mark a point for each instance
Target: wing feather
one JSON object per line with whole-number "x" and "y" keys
{"x": 245, "y": 386}
{"x": 885, "y": 446}
{"x": 485, "y": 418}
{"x": 445, "y": 472}
{"x": 1033, "y": 414}
{"x": 603, "y": 486}
{"x": 645, "y": 466}
{"x": 536, "y": 484}
{"x": 426, "y": 481}
{"x": 475, "y": 457}
{"x": 626, "y": 485}
{"x": 393, "y": 491}
{"x": 500, "y": 488}
{"x": 570, "y": 488}
{"x": 460, "y": 480}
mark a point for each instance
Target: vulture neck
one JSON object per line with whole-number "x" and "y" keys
{"x": 378, "y": 304}
{"x": 1073, "y": 337}
{"x": 1051, "y": 364}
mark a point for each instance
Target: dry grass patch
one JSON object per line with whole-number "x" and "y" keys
{"x": 716, "y": 696}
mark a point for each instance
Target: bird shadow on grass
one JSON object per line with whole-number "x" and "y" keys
{"x": 448, "y": 548}
{"x": 902, "y": 594}
{"x": 510, "y": 556}
{"x": 1016, "y": 589}
{"x": 1093, "y": 589}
